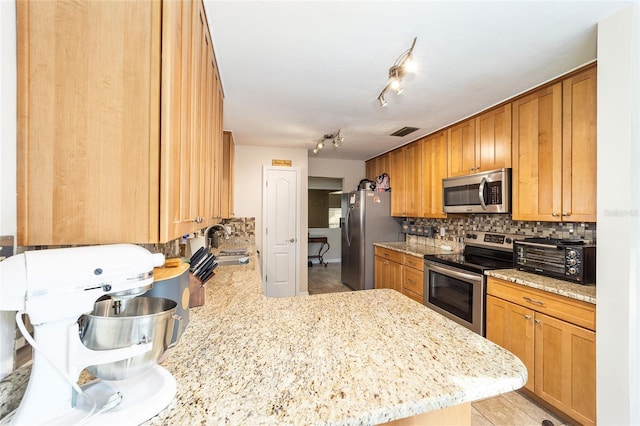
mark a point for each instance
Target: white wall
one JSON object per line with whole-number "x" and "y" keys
{"x": 8, "y": 134}
{"x": 350, "y": 170}
{"x": 618, "y": 327}
{"x": 247, "y": 191}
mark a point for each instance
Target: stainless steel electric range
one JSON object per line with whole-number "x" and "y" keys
{"x": 455, "y": 284}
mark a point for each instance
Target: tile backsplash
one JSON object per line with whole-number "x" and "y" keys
{"x": 455, "y": 227}
{"x": 243, "y": 231}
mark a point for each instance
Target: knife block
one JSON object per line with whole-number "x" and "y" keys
{"x": 196, "y": 290}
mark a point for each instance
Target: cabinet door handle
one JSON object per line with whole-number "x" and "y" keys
{"x": 566, "y": 214}
{"x": 411, "y": 280}
{"x": 530, "y": 300}
{"x": 537, "y": 321}
{"x": 554, "y": 214}
{"x": 527, "y": 317}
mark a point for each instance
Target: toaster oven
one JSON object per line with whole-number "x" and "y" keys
{"x": 570, "y": 260}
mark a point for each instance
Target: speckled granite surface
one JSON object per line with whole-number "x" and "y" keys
{"x": 586, "y": 293}
{"x": 354, "y": 358}
{"x": 415, "y": 249}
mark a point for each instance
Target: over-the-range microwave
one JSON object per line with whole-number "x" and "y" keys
{"x": 486, "y": 192}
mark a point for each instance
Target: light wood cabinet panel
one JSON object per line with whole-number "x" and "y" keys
{"x": 121, "y": 156}
{"x": 537, "y": 155}
{"x": 511, "y": 326}
{"x": 387, "y": 273}
{"x": 377, "y": 166}
{"x": 570, "y": 310}
{"x": 178, "y": 124}
{"x": 370, "y": 169}
{"x": 554, "y": 152}
{"x": 579, "y": 140}
{"x": 462, "y": 149}
{"x": 412, "y": 283}
{"x": 565, "y": 364}
{"x": 229, "y": 152}
{"x": 493, "y": 139}
{"x": 434, "y": 169}
{"x": 559, "y": 355}
{"x": 404, "y": 176}
{"x": 78, "y": 113}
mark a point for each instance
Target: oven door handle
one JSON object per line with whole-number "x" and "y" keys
{"x": 527, "y": 243}
{"x": 454, "y": 273}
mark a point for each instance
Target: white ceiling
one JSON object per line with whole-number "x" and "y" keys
{"x": 294, "y": 71}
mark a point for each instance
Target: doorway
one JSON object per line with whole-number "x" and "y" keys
{"x": 281, "y": 231}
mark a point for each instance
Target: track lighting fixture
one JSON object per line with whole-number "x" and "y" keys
{"x": 403, "y": 65}
{"x": 335, "y": 138}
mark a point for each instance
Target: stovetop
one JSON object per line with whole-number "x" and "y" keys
{"x": 483, "y": 251}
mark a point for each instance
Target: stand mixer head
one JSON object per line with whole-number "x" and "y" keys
{"x": 55, "y": 287}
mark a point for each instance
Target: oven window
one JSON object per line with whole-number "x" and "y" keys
{"x": 453, "y": 295}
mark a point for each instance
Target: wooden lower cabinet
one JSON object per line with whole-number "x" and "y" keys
{"x": 399, "y": 271}
{"x": 387, "y": 273}
{"x": 412, "y": 277}
{"x": 560, "y": 356}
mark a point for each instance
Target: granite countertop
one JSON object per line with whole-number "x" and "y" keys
{"x": 586, "y": 293}
{"x": 350, "y": 358}
{"x": 416, "y": 249}
{"x": 354, "y": 358}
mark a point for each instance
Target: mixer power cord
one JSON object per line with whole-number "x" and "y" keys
{"x": 113, "y": 400}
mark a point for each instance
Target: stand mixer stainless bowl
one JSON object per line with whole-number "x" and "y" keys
{"x": 116, "y": 323}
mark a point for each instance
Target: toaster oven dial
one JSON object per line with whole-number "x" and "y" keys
{"x": 572, "y": 253}
{"x": 573, "y": 271}
{"x": 571, "y": 262}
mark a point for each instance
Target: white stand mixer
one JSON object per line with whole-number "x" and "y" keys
{"x": 55, "y": 287}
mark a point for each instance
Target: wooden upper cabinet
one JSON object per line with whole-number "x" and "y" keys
{"x": 396, "y": 181}
{"x": 537, "y": 155}
{"x": 579, "y": 140}
{"x": 377, "y": 166}
{"x": 481, "y": 143}
{"x": 370, "y": 167}
{"x": 554, "y": 152}
{"x": 405, "y": 182}
{"x": 88, "y": 133}
{"x": 462, "y": 149}
{"x": 112, "y": 159}
{"x": 434, "y": 169}
{"x": 229, "y": 153}
{"x": 493, "y": 139}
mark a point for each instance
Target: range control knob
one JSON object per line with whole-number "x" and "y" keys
{"x": 474, "y": 236}
{"x": 508, "y": 240}
{"x": 468, "y": 236}
{"x": 572, "y": 253}
{"x": 573, "y": 271}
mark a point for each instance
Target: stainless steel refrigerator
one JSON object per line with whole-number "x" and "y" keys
{"x": 366, "y": 218}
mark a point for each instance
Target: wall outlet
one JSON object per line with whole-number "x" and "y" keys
{"x": 442, "y": 231}
{"x": 229, "y": 230}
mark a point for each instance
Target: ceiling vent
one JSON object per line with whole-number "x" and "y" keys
{"x": 404, "y": 131}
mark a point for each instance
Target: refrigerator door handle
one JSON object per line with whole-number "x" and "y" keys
{"x": 347, "y": 226}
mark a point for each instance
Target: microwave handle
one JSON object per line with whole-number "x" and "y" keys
{"x": 483, "y": 183}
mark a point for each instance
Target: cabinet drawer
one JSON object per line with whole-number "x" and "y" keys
{"x": 573, "y": 311}
{"x": 412, "y": 295}
{"x": 414, "y": 262}
{"x": 391, "y": 255}
{"x": 412, "y": 280}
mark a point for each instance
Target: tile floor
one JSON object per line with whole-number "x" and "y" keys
{"x": 511, "y": 408}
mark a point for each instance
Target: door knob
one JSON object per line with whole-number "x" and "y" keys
{"x": 292, "y": 240}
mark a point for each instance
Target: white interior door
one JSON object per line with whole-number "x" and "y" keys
{"x": 281, "y": 218}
